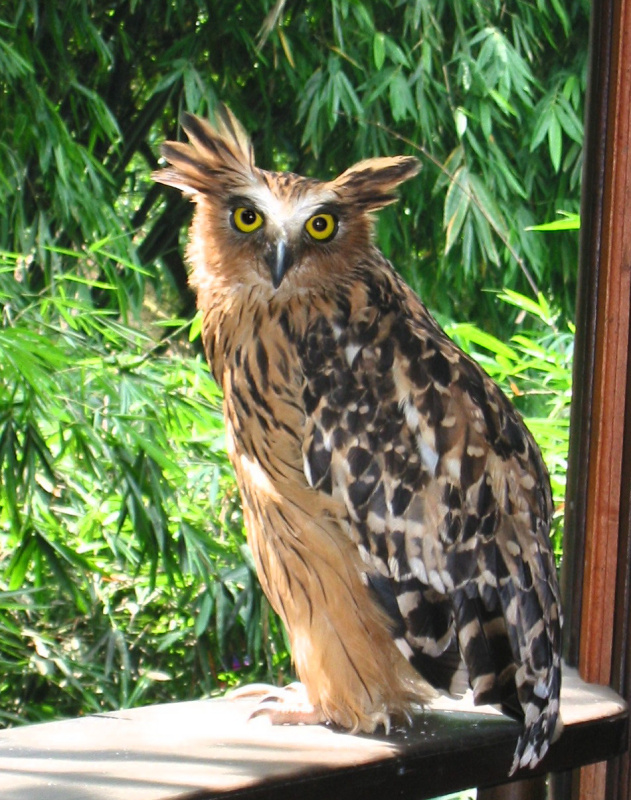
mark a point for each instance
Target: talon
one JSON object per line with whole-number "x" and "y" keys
{"x": 288, "y": 705}
{"x": 268, "y": 699}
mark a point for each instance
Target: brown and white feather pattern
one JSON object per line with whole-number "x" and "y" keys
{"x": 397, "y": 508}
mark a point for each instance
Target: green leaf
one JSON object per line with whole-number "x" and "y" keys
{"x": 562, "y": 14}
{"x": 503, "y": 104}
{"x": 555, "y": 142}
{"x": 460, "y": 117}
{"x": 457, "y": 202}
{"x": 395, "y": 52}
{"x": 379, "y": 49}
{"x": 572, "y": 222}
{"x": 21, "y": 561}
{"x": 486, "y": 204}
{"x": 538, "y": 308}
{"x": 401, "y": 100}
{"x": 195, "y": 330}
{"x": 484, "y": 233}
{"x": 348, "y": 98}
{"x": 475, "y": 335}
{"x": 542, "y": 123}
{"x": 203, "y": 616}
{"x": 569, "y": 121}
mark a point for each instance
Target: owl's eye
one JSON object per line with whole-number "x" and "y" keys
{"x": 321, "y": 227}
{"x": 246, "y": 219}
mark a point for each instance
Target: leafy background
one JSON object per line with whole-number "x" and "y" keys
{"x": 124, "y": 574}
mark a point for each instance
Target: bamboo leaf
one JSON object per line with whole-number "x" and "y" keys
{"x": 569, "y": 121}
{"x": 286, "y": 45}
{"x": 479, "y": 337}
{"x": 401, "y": 101}
{"x": 460, "y": 117}
{"x": 379, "y": 49}
{"x": 457, "y": 202}
{"x": 555, "y": 142}
{"x": 572, "y": 222}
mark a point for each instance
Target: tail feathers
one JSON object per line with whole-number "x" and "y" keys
{"x": 446, "y": 672}
{"x": 426, "y": 635}
{"x": 542, "y": 723}
{"x": 502, "y": 644}
{"x": 486, "y": 651}
{"x": 525, "y": 685}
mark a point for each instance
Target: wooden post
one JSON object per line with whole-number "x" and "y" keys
{"x": 596, "y": 537}
{"x": 532, "y": 789}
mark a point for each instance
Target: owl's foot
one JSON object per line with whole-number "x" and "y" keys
{"x": 288, "y": 705}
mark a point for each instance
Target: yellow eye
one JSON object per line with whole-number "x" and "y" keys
{"x": 321, "y": 227}
{"x": 246, "y": 219}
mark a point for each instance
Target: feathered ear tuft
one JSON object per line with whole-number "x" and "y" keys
{"x": 222, "y": 149}
{"x": 370, "y": 183}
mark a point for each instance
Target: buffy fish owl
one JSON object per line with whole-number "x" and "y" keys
{"x": 397, "y": 508}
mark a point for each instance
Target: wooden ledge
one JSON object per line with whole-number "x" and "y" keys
{"x": 208, "y": 749}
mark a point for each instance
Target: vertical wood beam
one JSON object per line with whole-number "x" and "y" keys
{"x": 596, "y": 121}
{"x": 596, "y": 538}
{"x": 608, "y": 409}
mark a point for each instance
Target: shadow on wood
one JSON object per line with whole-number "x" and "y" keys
{"x": 209, "y": 749}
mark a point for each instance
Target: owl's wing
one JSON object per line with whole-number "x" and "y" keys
{"x": 447, "y": 498}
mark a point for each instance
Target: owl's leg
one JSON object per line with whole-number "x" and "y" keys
{"x": 287, "y": 705}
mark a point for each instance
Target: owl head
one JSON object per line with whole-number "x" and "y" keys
{"x": 277, "y": 231}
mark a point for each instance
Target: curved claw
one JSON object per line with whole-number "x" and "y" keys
{"x": 287, "y": 705}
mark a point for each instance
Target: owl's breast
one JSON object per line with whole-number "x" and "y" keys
{"x": 263, "y": 403}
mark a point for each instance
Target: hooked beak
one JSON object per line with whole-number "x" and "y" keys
{"x": 279, "y": 259}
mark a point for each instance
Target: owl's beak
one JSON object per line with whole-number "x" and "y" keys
{"x": 279, "y": 259}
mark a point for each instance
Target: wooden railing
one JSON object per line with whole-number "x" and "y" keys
{"x": 209, "y": 749}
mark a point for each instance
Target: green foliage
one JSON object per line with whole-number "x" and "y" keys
{"x": 124, "y": 576}
{"x": 489, "y": 97}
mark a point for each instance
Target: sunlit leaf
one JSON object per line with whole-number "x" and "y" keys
{"x": 571, "y": 222}
{"x": 379, "y": 49}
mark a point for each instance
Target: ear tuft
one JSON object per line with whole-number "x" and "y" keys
{"x": 215, "y": 150}
{"x": 369, "y": 184}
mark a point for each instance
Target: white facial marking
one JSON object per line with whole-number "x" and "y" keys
{"x": 286, "y": 216}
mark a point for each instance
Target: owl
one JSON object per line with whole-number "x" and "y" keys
{"x": 397, "y": 508}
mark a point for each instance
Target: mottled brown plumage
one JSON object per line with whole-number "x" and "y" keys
{"x": 397, "y": 508}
